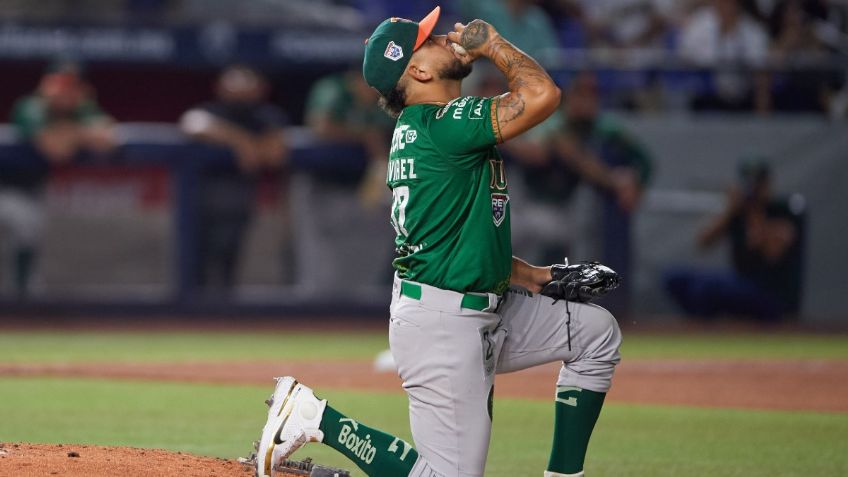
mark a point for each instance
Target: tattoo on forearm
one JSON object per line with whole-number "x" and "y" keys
{"x": 522, "y": 73}
{"x": 475, "y": 35}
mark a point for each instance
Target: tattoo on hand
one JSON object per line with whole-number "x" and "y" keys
{"x": 475, "y": 35}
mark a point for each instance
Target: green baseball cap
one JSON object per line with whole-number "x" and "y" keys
{"x": 390, "y": 47}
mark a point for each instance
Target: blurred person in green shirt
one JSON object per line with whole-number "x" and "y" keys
{"x": 342, "y": 113}
{"x": 616, "y": 167}
{"x": 583, "y": 178}
{"x": 342, "y": 108}
{"x": 59, "y": 123}
{"x": 62, "y": 119}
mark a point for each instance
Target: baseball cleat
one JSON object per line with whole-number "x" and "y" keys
{"x": 294, "y": 418}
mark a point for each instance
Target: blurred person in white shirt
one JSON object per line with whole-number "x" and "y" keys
{"x": 722, "y": 35}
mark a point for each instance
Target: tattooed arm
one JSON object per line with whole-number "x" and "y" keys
{"x": 532, "y": 95}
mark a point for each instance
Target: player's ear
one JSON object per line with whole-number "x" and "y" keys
{"x": 419, "y": 72}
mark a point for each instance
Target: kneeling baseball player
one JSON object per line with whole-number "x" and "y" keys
{"x": 463, "y": 309}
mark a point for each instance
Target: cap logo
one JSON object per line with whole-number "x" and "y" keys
{"x": 393, "y": 52}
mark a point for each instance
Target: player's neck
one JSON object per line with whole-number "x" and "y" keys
{"x": 437, "y": 92}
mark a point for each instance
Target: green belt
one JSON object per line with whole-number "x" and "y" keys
{"x": 472, "y": 302}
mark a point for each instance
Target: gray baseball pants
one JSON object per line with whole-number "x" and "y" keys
{"x": 447, "y": 357}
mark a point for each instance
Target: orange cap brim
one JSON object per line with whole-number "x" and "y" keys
{"x": 426, "y": 25}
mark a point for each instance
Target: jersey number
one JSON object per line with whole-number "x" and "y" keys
{"x": 400, "y": 197}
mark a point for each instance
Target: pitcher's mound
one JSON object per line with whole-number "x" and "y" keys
{"x": 73, "y": 460}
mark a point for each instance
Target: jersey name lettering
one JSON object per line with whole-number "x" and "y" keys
{"x": 403, "y": 136}
{"x": 401, "y": 169}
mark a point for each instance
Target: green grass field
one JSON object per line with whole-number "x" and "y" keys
{"x": 222, "y": 420}
{"x": 169, "y": 346}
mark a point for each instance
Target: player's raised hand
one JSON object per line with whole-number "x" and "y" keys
{"x": 471, "y": 41}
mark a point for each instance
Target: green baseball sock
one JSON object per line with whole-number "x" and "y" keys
{"x": 577, "y": 410}
{"x": 375, "y": 452}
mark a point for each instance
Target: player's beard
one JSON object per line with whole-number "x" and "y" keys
{"x": 455, "y": 70}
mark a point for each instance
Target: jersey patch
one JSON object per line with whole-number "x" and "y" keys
{"x": 393, "y": 52}
{"x": 499, "y": 202}
{"x": 477, "y": 111}
{"x": 411, "y": 136}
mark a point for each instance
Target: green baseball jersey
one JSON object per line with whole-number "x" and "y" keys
{"x": 30, "y": 115}
{"x": 450, "y": 205}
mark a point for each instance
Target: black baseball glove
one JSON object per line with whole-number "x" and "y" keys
{"x": 581, "y": 282}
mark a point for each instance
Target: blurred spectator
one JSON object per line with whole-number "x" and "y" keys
{"x": 722, "y": 35}
{"x": 616, "y": 167}
{"x": 59, "y": 123}
{"x": 792, "y": 25}
{"x": 62, "y": 120}
{"x": 340, "y": 193}
{"x": 765, "y": 235}
{"x": 241, "y": 120}
{"x": 577, "y": 145}
{"x": 523, "y": 22}
{"x": 795, "y": 43}
{"x": 832, "y": 27}
{"x": 342, "y": 108}
{"x": 828, "y": 18}
{"x": 626, "y": 23}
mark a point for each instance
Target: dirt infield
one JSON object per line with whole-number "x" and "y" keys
{"x": 812, "y": 385}
{"x": 72, "y": 460}
{"x": 19, "y": 460}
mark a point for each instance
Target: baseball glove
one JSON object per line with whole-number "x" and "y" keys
{"x": 581, "y": 282}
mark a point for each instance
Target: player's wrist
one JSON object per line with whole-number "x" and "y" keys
{"x": 539, "y": 276}
{"x": 546, "y": 274}
{"x": 490, "y": 50}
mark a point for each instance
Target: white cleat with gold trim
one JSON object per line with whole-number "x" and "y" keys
{"x": 293, "y": 420}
